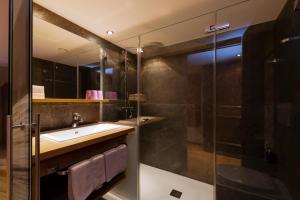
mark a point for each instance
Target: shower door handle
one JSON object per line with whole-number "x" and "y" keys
{"x": 9, "y": 156}
{"x": 9, "y": 127}
{"x": 37, "y": 157}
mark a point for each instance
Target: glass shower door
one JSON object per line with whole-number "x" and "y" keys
{"x": 256, "y": 69}
{"x": 176, "y": 110}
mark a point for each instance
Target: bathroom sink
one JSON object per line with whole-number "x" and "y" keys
{"x": 69, "y": 134}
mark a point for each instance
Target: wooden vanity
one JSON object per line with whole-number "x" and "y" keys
{"x": 56, "y": 156}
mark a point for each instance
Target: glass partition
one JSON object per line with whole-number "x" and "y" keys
{"x": 120, "y": 76}
{"x": 176, "y": 111}
{"x": 256, "y": 121}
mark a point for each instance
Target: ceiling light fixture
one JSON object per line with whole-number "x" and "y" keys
{"x": 109, "y": 32}
{"x": 139, "y": 50}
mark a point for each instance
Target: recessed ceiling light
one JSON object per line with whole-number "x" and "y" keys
{"x": 139, "y": 50}
{"x": 238, "y": 55}
{"x": 109, "y": 32}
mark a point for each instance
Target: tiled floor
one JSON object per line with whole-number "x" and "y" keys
{"x": 157, "y": 184}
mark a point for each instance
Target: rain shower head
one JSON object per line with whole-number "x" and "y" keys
{"x": 218, "y": 27}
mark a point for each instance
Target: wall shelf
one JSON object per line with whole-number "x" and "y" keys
{"x": 72, "y": 101}
{"x": 52, "y": 100}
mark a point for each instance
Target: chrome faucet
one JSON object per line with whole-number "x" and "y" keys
{"x": 76, "y": 120}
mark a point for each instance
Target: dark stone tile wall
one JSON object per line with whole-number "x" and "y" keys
{"x": 116, "y": 81}
{"x": 59, "y": 115}
{"x": 164, "y": 145}
{"x": 253, "y": 119}
{"x": 258, "y": 48}
{"x": 229, "y": 97}
{"x": 270, "y": 106}
{"x": 89, "y": 79}
{"x": 164, "y": 85}
{"x": 59, "y": 79}
{"x": 287, "y": 99}
{"x": 174, "y": 90}
{"x": 229, "y": 79}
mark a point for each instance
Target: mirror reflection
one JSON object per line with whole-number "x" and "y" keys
{"x": 64, "y": 65}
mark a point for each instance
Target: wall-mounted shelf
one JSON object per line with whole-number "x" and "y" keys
{"x": 71, "y": 101}
{"x": 77, "y": 101}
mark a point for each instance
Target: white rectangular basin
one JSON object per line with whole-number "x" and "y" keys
{"x": 74, "y": 133}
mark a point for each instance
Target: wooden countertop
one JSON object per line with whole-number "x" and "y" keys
{"x": 50, "y": 148}
{"x": 144, "y": 120}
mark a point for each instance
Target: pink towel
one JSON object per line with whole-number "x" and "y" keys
{"x": 122, "y": 154}
{"x": 115, "y": 161}
{"x": 100, "y": 94}
{"x": 98, "y": 170}
{"x": 91, "y": 94}
{"x": 111, "y": 164}
{"x": 80, "y": 180}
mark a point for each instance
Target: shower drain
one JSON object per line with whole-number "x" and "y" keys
{"x": 176, "y": 193}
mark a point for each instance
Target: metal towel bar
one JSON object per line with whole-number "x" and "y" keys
{"x": 62, "y": 173}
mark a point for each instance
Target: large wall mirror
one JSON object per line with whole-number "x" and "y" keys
{"x": 64, "y": 65}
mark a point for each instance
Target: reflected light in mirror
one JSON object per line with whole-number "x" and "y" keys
{"x": 109, "y": 32}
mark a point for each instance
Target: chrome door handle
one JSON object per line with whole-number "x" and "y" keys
{"x": 22, "y": 125}
{"x": 9, "y": 156}
{"x": 9, "y": 127}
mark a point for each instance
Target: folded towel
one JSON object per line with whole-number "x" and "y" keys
{"x": 91, "y": 94}
{"x": 111, "y": 164}
{"x": 80, "y": 180}
{"x": 38, "y": 95}
{"x": 38, "y": 89}
{"x": 38, "y": 92}
{"x": 122, "y": 154}
{"x": 100, "y": 94}
{"x": 98, "y": 170}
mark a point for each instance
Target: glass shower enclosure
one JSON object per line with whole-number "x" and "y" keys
{"x": 218, "y": 112}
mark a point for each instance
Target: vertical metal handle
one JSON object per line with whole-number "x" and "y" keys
{"x": 9, "y": 155}
{"x": 37, "y": 156}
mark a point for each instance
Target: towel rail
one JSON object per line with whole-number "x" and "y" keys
{"x": 63, "y": 173}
